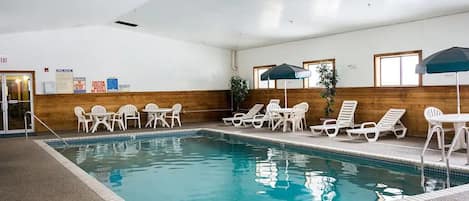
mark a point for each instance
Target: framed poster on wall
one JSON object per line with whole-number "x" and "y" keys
{"x": 64, "y": 81}
{"x": 79, "y": 85}
{"x": 112, "y": 84}
{"x": 98, "y": 87}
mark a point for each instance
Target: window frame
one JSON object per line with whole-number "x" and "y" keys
{"x": 255, "y": 82}
{"x": 306, "y": 63}
{"x": 377, "y": 72}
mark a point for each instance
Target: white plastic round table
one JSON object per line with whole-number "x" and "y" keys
{"x": 458, "y": 120}
{"x": 286, "y": 112}
{"x": 159, "y": 115}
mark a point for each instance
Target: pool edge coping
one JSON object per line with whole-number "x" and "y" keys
{"x": 91, "y": 182}
{"x": 99, "y": 188}
{"x": 107, "y": 194}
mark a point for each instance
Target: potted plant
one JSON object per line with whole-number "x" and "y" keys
{"x": 239, "y": 91}
{"x": 328, "y": 79}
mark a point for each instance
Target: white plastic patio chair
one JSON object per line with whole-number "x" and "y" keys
{"x": 131, "y": 113}
{"x": 271, "y": 117}
{"x": 430, "y": 112}
{"x": 305, "y": 107}
{"x": 296, "y": 119}
{"x": 237, "y": 119}
{"x": 175, "y": 114}
{"x": 389, "y": 123}
{"x": 118, "y": 118}
{"x": 345, "y": 119}
{"x": 99, "y": 109}
{"x": 275, "y": 101}
{"x": 83, "y": 121}
{"x": 151, "y": 116}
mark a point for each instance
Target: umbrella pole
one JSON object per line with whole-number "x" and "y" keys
{"x": 285, "y": 92}
{"x": 457, "y": 93}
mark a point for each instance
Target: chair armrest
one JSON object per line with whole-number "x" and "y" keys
{"x": 329, "y": 121}
{"x": 239, "y": 115}
{"x": 367, "y": 123}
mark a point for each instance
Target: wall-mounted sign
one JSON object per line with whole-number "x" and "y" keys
{"x": 64, "y": 81}
{"x": 124, "y": 87}
{"x": 48, "y": 87}
{"x": 98, "y": 87}
{"x": 112, "y": 84}
{"x": 79, "y": 85}
{"x": 3, "y": 59}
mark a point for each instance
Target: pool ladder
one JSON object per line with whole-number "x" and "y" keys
{"x": 42, "y": 123}
{"x": 439, "y": 131}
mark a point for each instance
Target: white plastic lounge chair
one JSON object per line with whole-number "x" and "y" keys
{"x": 131, "y": 113}
{"x": 175, "y": 114}
{"x": 344, "y": 120}
{"x": 151, "y": 116}
{"x": 118, "y": 118}
{"x": 237, "y": 119}
{"x": 305, "y": 107}
{"x": 389, "y": 123}
{"x": 83, "y": 121}
{"x": 271, "y": 117}
{"x": 430, "y": 112}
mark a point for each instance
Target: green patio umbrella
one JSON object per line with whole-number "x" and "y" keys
{"x": 285, "y": 72}
{"x": 455, "y": 59}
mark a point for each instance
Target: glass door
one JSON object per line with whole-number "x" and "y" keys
{"x": 16, "y": 101}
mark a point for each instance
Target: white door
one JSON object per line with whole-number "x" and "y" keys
{"x": 16, "y": 100}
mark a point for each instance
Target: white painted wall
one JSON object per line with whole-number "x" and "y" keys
{"x": 357, "y": 49}
{"x": 146, "y": 62}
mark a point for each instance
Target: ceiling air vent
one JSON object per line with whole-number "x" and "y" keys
{"x": 126, "y": 23}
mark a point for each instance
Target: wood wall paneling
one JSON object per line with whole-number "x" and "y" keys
{"x": 57, "y": 110}
{"x": 374, "y": 102}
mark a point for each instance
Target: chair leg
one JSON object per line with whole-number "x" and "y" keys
{"x": 87, "y": 127}
{"x": 172, "y": 122}
{"x": 78, "y": 130}
{"x": 179, "y": 121}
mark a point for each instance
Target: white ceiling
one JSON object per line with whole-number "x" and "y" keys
{"x": 232, "y": 24}
{"x": 29, "y": 15}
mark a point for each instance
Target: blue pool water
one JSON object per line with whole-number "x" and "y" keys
{"x": 209, "y": 166}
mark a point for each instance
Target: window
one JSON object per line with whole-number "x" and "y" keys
{"x": 262, "y": 84}
{"x": 397, "y": 69}
{"x": 312, "y": 66}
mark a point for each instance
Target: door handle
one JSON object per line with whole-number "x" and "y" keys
{"x": 13, "y": 101}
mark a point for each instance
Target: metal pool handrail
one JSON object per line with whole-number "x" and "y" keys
{"x": 42, "y": 123}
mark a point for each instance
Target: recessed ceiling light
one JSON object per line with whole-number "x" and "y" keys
{"x": 126, "y": 23}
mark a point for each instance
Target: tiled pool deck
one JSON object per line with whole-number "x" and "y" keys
{"x": 28, "y": 172}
